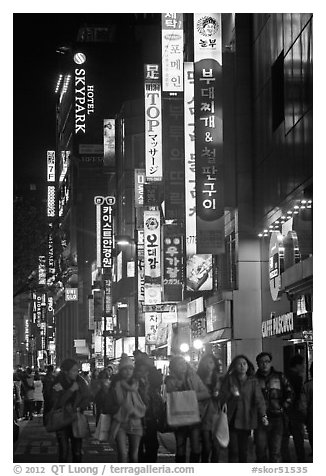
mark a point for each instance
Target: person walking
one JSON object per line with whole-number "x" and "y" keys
{"x": 296, "y": 413}
{"x": 209, "y": 372}
{"x": 308, "y": 390}
{"x": 126, "y": 425}
{"x": 102, "y": 393}
{"x": 245, "y": 406}
{"x": 70, "y": 391}
{"x": 182, "y": 377}
{"x": 48, "y": 380}
{"x": 38, "y": 393}
{"x": 17, "y": 394}
{"x": 28, "y": 386}
{"x": 278, "y": 396}
{"x": 150, "y": 382}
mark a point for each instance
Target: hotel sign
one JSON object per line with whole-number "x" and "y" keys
{"x": 84, "y": 100}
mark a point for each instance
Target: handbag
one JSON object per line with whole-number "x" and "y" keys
{"x": 182, "y": 408}
{"x": 221, "y": 427}
{"x": 103, "y": 427}
{"x": 138, "y": 406}
{"x": 80, "y": 426}
{"x": 59, "y": 418}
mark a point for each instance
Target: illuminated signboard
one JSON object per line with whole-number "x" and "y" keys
{"x": 84, "y": 100}
{"x": 172, "y": 263}
{"x": 64, "y": 164}
{"x": 26, "y": 332}
{"x": 140, "y": 266}
{"x": 152, "y": 240}
{"x": 51, "y": 166}
{"x": 277, "y": 325}
{"x": 153, "y": 123}
{"x": 51, "y": 263}
{"x": 107, "y": 284}
{"x": 104, "y": 231}
{"x": 276, "y": 264}
{"x": 109, "y": 142}
{"x": 51, "y": 201}
{"x": 209, "y": 132}
{"x": 190, "y": 164}
{"x": 71, "y": 294}
{"x": 139, "y": 187}
{"x": 172, "y": 51}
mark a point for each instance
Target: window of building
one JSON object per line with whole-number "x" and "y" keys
{"x": 278, "y": 91}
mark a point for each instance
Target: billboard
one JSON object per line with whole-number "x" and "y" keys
{"x": 209, "y": 133}
{"x": 172, "y": 52}
{"x": 153, "y": 123}
{"x": 200, "y": 272}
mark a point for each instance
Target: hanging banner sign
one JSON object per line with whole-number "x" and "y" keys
{"x": 209, "y": 133}
{"x": 172, "y": 51}
{"x": 151, "y": 325}
{"x": 109, "y": 142}
{"x": 140, "y": 266}
{"x": 153, "y": 123}
{"x": 172, "y": 263}
{"x": 152, "y": 243}
{"x": 190, "y": 163}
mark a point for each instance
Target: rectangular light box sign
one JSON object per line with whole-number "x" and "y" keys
{"x": 172, "y": 52}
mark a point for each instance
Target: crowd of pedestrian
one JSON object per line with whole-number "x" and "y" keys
{"x": 136, "y": 401}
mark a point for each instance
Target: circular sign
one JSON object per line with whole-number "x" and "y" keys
{"x": 79, "y": 58}
{"x": 276, "y": 264}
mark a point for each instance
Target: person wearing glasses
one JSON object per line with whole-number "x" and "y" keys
{"x": 278, "y": 396}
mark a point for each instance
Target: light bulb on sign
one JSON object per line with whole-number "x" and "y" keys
{"x": 184, "y": 347}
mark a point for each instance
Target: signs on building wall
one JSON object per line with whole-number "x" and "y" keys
{"x": 276, "y": 264}
{"x": 200, "y": 272}
{"x": 209, "y": 133}
{"x": 153, "y": 123}
{"x": 107, "y": 286}
{"x": 218, "y": 316}
{"x": 140, "y": 265}
{"x": 42, "y": 270}
{"x": 51, "y": 166}
{"x": 196, "y": 306}
{"x": 190, "y": 163}
{"x": 172, "y": 263}
{"x": 50, "y": 260}
{"x": 109, "y": 142}
{"x": 277, "y": 325}
{"x": 172, "y": 51}
{"x": 139, "y": 187}
{"x": 84, "y": 101}
{"x": 152, "y": 246}
{"x": 173, "y": 153}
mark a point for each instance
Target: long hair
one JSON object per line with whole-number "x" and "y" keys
{"x": 231, "y": 370}
{"x": 202, "y": 370}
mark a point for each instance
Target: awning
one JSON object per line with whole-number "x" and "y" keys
{"x": 220, "y": 334}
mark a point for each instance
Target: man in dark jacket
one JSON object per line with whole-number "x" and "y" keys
{"x": 278, "y": 396}
{"x": 296, "y": 412}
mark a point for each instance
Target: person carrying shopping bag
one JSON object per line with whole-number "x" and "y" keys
{"x": 70, "y": 393}
{"x": 126, "y": 423}
{"x": 210, "y": 374}
{"x": 241, "y": 392}
{"x": 182, "y": 378}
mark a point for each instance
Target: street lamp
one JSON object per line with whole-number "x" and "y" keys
{"x": 125, "y": 241}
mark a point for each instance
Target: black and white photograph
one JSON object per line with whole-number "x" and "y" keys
{"x": 162, "y": 225}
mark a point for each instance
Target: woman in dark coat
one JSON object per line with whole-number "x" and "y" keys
{"x": 69, "y": 390}
{"x": 241, "y": 392}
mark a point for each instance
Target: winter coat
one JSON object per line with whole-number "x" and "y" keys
{"x": 38, "y": 391}
{"x": 277, "y": 392}
{"x": 245, "y": 409}
{"x": 61, "y": 396}
{"x": 210, "y": 407}
{"x": 191, "y": 382}
{"x": 28, "y": 385}
{"x": 127, "y": 415}
{"x": 298, "y": 409}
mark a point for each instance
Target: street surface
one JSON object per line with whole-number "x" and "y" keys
{"x": 36, "y": 445}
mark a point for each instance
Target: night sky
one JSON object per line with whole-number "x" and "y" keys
{"x": 36, "y": 37}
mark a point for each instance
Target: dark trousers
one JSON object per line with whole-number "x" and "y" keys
{"x": 148, "y": 446}
{"x": 65, "y": 436}
{"x": 210, "y": 448}
{"x": 238, "y": 445}
{"x": 28, "y": 408}
{"x": 293, "y": 426}
{"x": 38, "y": 406}
{"x": 181, "y": 436}
{"x": 268, "y": 441}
